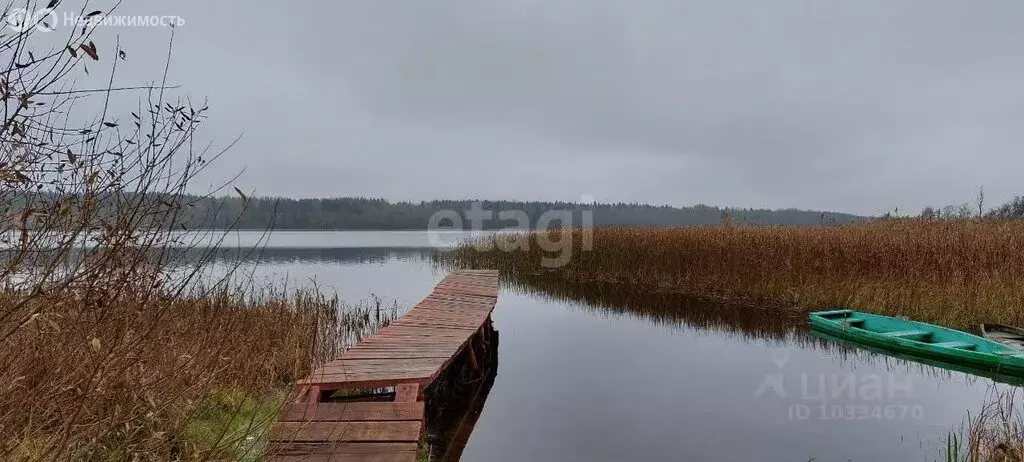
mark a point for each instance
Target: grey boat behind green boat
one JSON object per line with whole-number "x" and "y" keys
{"x": 1010, "y": 336}
{"x": 920, "y": 339}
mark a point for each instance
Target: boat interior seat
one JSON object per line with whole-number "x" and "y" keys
{"x": 853, "y": 321}
{"x": 960, "y": 345}
{"x": 918, "y": 335}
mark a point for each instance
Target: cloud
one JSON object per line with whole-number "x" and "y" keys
{"x": 861, "y": 106}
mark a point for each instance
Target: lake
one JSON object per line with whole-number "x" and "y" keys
{"x": 593, "y": 374}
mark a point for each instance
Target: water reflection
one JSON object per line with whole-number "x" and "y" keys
{"x": 740, "y": 320}
{"x": 456, "y": 401}
{"x": 345, "y": 255}
{"x": 599, "y": 372}
{"x": 667, "y": 308}
{"x": 939, "y": 369}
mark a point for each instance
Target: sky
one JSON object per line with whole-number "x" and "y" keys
{"x": 858, "y": 106}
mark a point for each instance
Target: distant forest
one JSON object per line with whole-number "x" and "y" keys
{"x": 366, "y": 214}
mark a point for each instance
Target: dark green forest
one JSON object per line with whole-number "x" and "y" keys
{"x": 354, "y": 213}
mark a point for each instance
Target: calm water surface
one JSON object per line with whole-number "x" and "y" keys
{"x": 586, "y": 375}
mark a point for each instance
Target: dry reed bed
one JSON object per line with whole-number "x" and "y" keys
{"x": 127, "y": 381}
{"x": 952, "y": 272}
{"x": 995, "y": 433}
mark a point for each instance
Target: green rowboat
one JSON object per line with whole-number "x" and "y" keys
{"x": 919, "y": 339}
{"x": 995, "y": 376}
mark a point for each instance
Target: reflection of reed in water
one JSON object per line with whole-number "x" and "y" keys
{"x": 853, "y": 357}
{"x": 788, "y": 329}
{"x": 668, "y": 308}
{"x": 348, "y": 255}
{"x": 179, "y": 256}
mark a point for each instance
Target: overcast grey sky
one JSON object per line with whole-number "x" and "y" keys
{"x": 856, "y": 106}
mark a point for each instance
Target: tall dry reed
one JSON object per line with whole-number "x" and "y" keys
{"x": 953, "y": 272}
{"x": 995, "y": 433}
{"x": 110, "y": 349}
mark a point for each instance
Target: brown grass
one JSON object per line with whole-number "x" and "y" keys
{"x": 952, "y": 272}
{"x": 109, "y": 348}
{"x": 128, "y": 384}
{"x": 994, "y": 434}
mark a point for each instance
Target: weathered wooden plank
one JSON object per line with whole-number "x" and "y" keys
{"x": 450, "y": 310}
{"x": 408, "y": 355}
{"x": 462, "y": 290}
{"x": 388, "y": 341}
{"x": 441, "y": 313}
{"x": 398, "y": 346}
{"x": 402, "y": 329}
{"x": 481, "y": 289}
{"x": 407, "y": 392}
{"x": 375, "y": 411}
{"x": 394, "y": 431}
{"x": 457, "y": 299}
{"x": 466, "y": 298}
{"x": 365, "y": 378}
{"x": 438, "y": 355}
{"x": 467, "y": 315}
{"x": 378, "y": 381}
{"x": 341, "y": 452}
{"x": 363, "y": 364}
{"x": 466, "y": 284}
{"x": 424, "y": 342}
{"x": 452, "y": 307}
{"x": 417, "y": 325}
{"x": 426, "y": 334}
{"x": 425, "y": 353}
{"x": 419, "y": 322}
{"x": 418, "y": 346}
{"x": 356, "y": 366}
{"x": 463, "y": 299}
{"x": 396, "y": 355}
{"x": 440, "y": 305}
{"x": 409, "y": 373}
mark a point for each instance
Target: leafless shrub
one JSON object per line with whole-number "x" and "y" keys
{"x": 105, "y": 354}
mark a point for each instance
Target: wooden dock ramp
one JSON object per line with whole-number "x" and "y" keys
{"x": 408, "y": 355}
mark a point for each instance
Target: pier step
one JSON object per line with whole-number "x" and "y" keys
{"x": 409, "y": 354}
{"x": 376, "y": 431}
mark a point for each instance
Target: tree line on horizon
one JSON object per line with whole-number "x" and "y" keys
{"x": 360, "y": 213}
{"x": 1011, "y": 210}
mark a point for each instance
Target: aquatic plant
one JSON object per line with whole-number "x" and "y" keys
{"x": 953, "y": 272}
{"x": 113, "y": 346}
{"x": 994, "y": 434}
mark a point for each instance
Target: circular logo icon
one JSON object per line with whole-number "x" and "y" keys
{"x": 21, "y": 19}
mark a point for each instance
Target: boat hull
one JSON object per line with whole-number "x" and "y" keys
{"x": 1010, "y": 336}
{"x": 1004, "y": 378}
{"x": 919, "y": 339}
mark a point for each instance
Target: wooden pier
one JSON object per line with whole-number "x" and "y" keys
{"x": 408, "y": 355}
